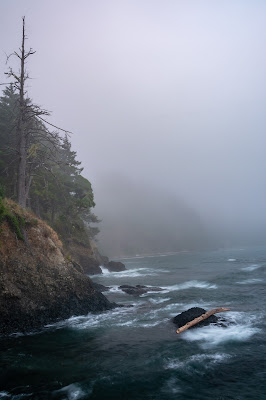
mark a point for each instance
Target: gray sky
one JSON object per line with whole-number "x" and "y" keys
{"x": 167, "y": 92}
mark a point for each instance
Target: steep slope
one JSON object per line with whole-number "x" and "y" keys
{"x": 38, "y": 285}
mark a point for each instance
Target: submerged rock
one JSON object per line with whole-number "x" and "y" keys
{"x": 138, "y": 289}
{"x": 192, "y": 313}
{"x": 37, "y": 284}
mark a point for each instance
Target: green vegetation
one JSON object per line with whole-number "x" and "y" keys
{"x": 38, "y": 169}
{"x": 58, "y": 193}
{"x": 15, "y": 221}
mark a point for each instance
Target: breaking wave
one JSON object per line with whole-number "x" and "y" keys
{"x": 250, "y": 281}
{"x": 197, "y": 360}
{"x": 189, "y": 285}
{"x": 132, "y": 273}
{"x": 240, "y": 328}
{"x": 251, "y": 268}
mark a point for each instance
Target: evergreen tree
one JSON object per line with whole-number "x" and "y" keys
{"x": 38, "y": 167}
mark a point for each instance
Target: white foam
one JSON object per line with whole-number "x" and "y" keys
{"x": 190, "y": 284}
{"x": 199, "y": 303}
{"x": 92, "y": 321}
{"x": 170, "y": 307}
{"x": 251, "y": 268}
{"x": 172, "y": 386}
{"x": 159, "y": 300}
{"x": 73, "y": 392}
{"x": 127, "y": 323}
{"x": 250, "y": 281}
{"x": 231, "y": 259}
{"x": 115, "y": 289}
{"x": 131, "y": 273}
{"x": 4, "y": 394}
{"x": 152, "y": 324}
{"x": 105, "y": 271}
{"x": 206, "y": 360}
{"x": 213, "y": 335}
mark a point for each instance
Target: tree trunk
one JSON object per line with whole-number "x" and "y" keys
{"x": 201, "y": 318}
{"x": 21, "y": 132}
{"x": 22, "y": 163}
{"x": 28, "y": 184}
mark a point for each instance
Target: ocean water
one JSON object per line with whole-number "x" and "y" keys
{"x": 135, "y": 353}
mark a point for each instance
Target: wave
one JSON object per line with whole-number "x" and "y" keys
{"x": 205, "y": 360}
{"x": 189, "y": 285}
{"x": 107, "y": 318}
{"x": 240, "y": 328}
{"x": 105, "y": 271}
{"x": 20, "y": 396}
{"x": 251, "y": 268}
{"x": 250, "y": 281}
{"x": 4, "y": 395}
{"x": 123, "y": 317}
{"x": 159, "y": 300}
{"x": 176, "y": 308}
{"x": 140, "y": 323}
{"x": 231, "y": 259}
{"x": 73, "y": 392}
{"x": 115, "y": 289}
{"x": 132, "y": 273}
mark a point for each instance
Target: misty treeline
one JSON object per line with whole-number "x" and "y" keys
{"x": 38, "y": 169}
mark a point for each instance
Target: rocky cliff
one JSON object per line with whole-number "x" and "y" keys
{"x": 88, "y": 257}
{"x": 38, "y": 284}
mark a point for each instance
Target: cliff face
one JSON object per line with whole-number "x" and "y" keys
{"x": 37, "y": 284}
{"x": 87, "y": 256}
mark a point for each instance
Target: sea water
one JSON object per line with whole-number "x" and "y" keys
{"x": 135, "y": 353}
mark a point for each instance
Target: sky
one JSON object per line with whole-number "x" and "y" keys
{"x": 166, "y": 93}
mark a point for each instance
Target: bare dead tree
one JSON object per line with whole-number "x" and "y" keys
{"x": 28, "y": 132}
{"x": 22, "y": 133}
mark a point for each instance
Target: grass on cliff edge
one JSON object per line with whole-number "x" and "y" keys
{"x": 16, "y": 217}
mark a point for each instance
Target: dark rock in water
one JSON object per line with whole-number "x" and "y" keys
{"x": 192, "y": 313}
{"x": 135, "y": 291}
{"x": 138, "y": 289}
{"x": 115, "y": 266}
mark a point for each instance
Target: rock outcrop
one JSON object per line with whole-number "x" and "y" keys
{"x": 88, "y": 256}
{"x": 115, "y": 266}
{"x": 194, "y": 312}
{"x": 139, "y": 289}
{"x": 38, "y": 285}
{"x": 85, "y": 255}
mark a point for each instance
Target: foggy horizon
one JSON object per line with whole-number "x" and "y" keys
{"x": 168, "y": 95}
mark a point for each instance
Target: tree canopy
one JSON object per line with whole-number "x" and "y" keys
{"x": 38, "y": 168}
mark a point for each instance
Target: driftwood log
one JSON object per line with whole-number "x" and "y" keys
{"x": 201, "y": 318}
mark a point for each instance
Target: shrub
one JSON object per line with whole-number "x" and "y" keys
{"x": 16, "y": 222}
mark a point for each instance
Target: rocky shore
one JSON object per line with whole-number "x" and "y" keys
{"x": 38, "y": 284}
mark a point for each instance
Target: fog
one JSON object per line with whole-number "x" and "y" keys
{"x": 165, "y": 99}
